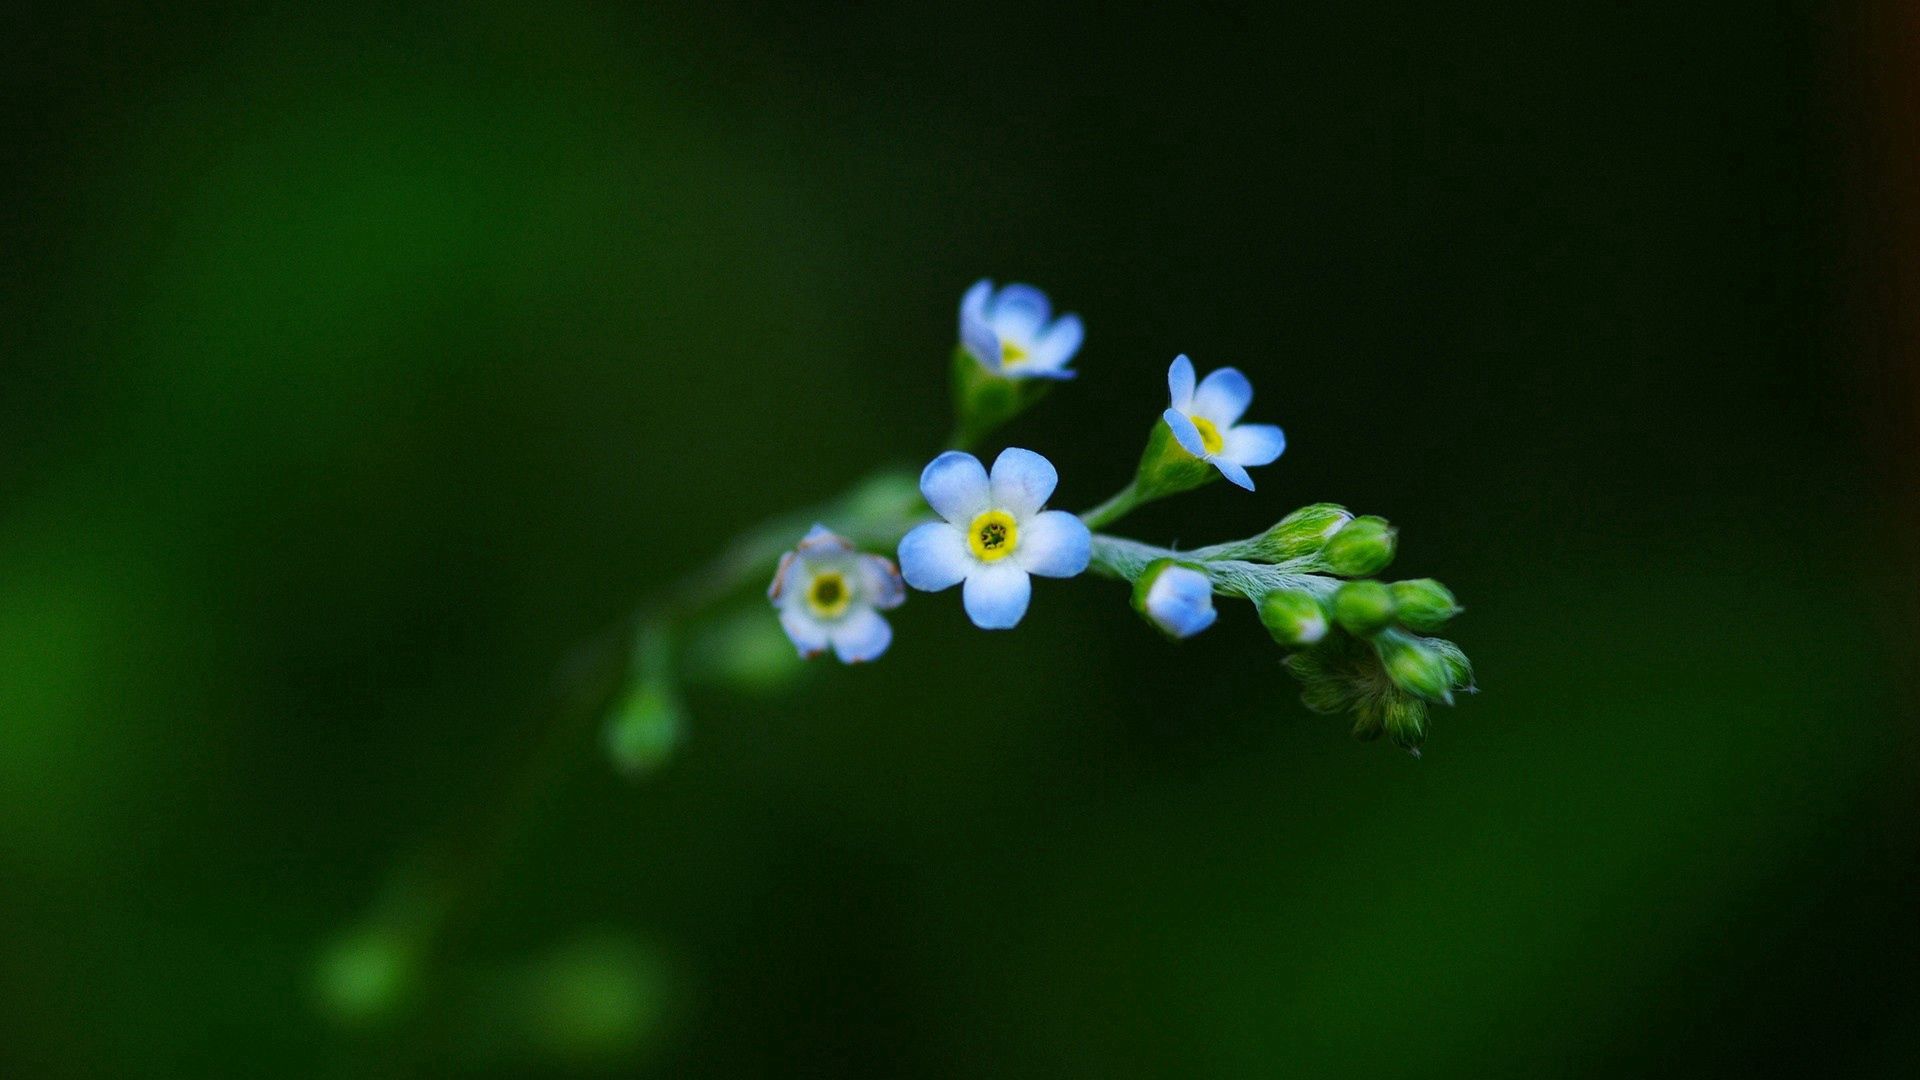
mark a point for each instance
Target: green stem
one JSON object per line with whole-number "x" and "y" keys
{"x": 1118, "y": 557}
{"x": 1120, "y": 505}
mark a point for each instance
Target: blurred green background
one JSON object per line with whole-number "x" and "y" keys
{"x": 361, "y": 363}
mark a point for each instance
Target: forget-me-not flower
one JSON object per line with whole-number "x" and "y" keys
{"x": 1012, "y": 332}
{"x": 830, "y": 594}
{"x": 1178, "y": 600}
{"x": 994, "y": 535}
{"x": 1205, "y": 421}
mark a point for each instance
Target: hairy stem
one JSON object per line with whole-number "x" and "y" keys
{"x": 1118, "y": 557}
{"x": 1120, "y": 505}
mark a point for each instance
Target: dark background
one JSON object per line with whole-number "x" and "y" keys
{"x": 358, "y": 364}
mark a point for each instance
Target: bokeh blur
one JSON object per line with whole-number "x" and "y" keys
{"x": 360, "y": 362}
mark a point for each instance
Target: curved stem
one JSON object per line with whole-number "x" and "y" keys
{"x": 1119, "y": 557}
{"x": 1120, "y": 505}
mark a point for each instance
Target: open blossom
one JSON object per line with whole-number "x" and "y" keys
{"x": 1178, "y": 600}
{"x": 1205, "y": 421}
{"x": 830, "y": 595}
{"x": 994, "y": 534}
{"x": 1012, "y": 332}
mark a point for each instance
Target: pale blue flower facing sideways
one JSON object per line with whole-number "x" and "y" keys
{"x": 1205, "y": 421}
{"x": 830, "y": 595}
{"x": 995, "y": 534}
{"x": 1013, "y": 333}
{"x": 1180, "y": 601}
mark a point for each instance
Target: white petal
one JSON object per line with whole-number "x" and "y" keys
{"x": 973, "y": 305}
{"x": 779, "y": 586}
{"x": 1185, "y": 433}
{"x": 804, "y": 631}
{"x": 1253, "y": 444}
{"x": 1022, "y": 482}
{"x": 955, "y": 485}
{"x": 821, "y": 540}
{"x": 1232, "y": 471}
{"x": 1054, "y": 544}
{"x": 1056, "y": 345}
{"x": 1019, "y": 312}
{"x": 934, "y": 557}
{"x": 1223, "y": 397}
{"x": 862, "y": 636}
{"x": 996, "y": 596}
{"x": 880, "y": 583}
{"x": 1180, "y": 384}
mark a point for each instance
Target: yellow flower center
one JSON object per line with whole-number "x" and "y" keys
{"x": 829, "y": 596}
{"x": 1210, "y": 438}
{"x": 1011, "y": 353}
{"x": 993, "y": 536}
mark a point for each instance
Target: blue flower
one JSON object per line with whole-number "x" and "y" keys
{"x": 1012, "y": 332}
{"x": 1179, "y": 601}
{"x": 829, "y": 594}
{"x": 1205, "y": 421}
{"x": 994, "y": 534}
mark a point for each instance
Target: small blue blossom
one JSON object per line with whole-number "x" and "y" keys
{"x": 994, "y": 534}
{"x": 1012, "y": 332}
{"x": 830, "y": 595}
{"x": 1179, "y": 601}
{"x": 1205, "y": 421}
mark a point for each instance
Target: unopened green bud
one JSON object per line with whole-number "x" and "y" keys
{"x": 1424, "y": 605}
{"x": 1303, "y": 532}
{"x": 367, "y": 975}
{"x": 1369, "y": 720}
{"x": 1294, "y": 617}
{"x": 1459, "y": 668}
{"x": 1328, "y": 697}
{"x": 1365, "y": 546}
{"x": 1363, "y": 607}
{"x": 644, "y": 729}
{"x": 1416, "y": 667}
{"x": 1405, "y": 719}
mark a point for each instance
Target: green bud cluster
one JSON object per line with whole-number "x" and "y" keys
{"x": 1387, "y": 683}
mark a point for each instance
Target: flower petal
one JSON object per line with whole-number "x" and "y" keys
{"x": 1234, "y": 472}
{"x": 1056, "y": 345}
{"x": 1022, "y": 482}
{"x": 955, "y": 485}
{"x": 804, "y": 631}
{"x": 1223, "y": 397}
{"x": 821, "y": 540}
{"x": 1185, "y": 433}
{"x": 779, "y": 585}
{"x": 977, "y": 336}
{"x": 1180, "y": 384}
{"x": 880, "y": 583}
{"x": 934, "y": 557}
{"x": 996, "y": 596}
{"x": 973, "y": 305}
{"x": 1019, "y": 312}
{"x": 1054, "y": 544}
{"x": 862, "y": 636}
{"x": 1254, "y": 444}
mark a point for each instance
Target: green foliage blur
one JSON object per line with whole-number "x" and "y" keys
{"x": 358, "y": 364}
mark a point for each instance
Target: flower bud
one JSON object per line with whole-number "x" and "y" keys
{"x": 1364, "y": 607}
{"x": 1423, "y": 604}
{"x": 1294, "y": 617}
{"x": 1365, "y": 546}
{"x": 644, "y": 729}
{"x": 1176, "y": 598}
{"x": 1405, "y": 719}
{"x": 1459, "y": 668}
{"x": 1416, "y": 667}
{"x": 1303, "y": 532}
